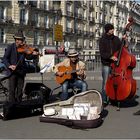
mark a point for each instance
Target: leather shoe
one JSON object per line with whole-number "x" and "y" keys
{"x": 105, "y": 104}
{"x": 137, "y": 113}
{"x": 1, "y": 115}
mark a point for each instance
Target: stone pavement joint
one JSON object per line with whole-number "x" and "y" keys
{"x": 90, "y": 76}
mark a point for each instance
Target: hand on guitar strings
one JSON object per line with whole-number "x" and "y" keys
{"x": 60, "y": 73}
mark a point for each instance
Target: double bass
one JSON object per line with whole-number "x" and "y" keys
{"x": 120, "y": 84}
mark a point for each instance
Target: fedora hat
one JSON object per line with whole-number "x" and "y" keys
{"x": 72, "y": 52}
{"x": 19, "y": 35}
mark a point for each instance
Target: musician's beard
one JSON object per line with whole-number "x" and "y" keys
{"x": 74, "y": 61}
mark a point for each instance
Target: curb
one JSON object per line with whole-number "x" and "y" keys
{"x": 90, "y": 78}
{"x": 50, "y": 78}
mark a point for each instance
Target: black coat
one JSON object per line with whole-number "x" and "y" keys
{"x": 12, "y": 57}
{"x": 108, "y": 45}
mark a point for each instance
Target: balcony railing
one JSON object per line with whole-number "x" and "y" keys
{"x": 42, "y": 24}
{"x": 78, "y": 32}
{"x": 86, "y": 33}
{"x": 42, "y": 6}
{"x": 33, "y": 4}
{"x": 6, "y": 20}
{"x": 91, "y": 34}
{"x": 32, "y": 23}
{"x": 92, "y": 62}
{"x": 69, "y": 30}
{"x": 23, "y": 22}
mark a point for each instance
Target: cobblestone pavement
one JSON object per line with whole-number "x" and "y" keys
{"x": 117, "y": 124}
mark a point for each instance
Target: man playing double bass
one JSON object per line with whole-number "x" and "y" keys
{"x": 108, "y": 45}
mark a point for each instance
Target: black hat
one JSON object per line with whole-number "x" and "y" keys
{"x": 19, "y": 35}
{"x": 108, "y": 27}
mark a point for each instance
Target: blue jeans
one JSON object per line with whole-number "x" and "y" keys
{"x": 82, "y": 85}
{"x": 105, "y": 73}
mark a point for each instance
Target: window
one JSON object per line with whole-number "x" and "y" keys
{"x": 68, "y": 7}
{"x": 47, "y": 4}
{"x": 101, "y": 4}
{"x": 36, "y": 38}
{"x": 56, "y": 19}
{"x": 22, "y": 16}
{"x": 35, "y": 19}
{"x": 68, "y": 25}
{"x": 2, "y": 36}
{"x": 42, "y": 5}
{"x": 96, "y": 15}
{"x": 85, "y": 43}
{"x": 47, "y": 39}
{"x": 47, "y": 22}
{"x": 22, "y": 1}
{"x": 101, "y": 17}
{"x": 1, "y": 12}
{"x": 97, "y": 3}
{"x": 33, "y": 3}
{"x": 84, "y": 11}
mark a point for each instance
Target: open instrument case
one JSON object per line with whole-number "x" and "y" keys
{"x": 82, "y": 110}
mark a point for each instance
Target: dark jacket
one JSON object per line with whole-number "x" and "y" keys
{"x": 12, "y": 57}
{"x": 108, "y": 45}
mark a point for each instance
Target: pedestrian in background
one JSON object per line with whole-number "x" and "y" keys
{"x": 108, "y": 45}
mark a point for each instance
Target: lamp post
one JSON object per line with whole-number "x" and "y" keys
{"x": 57, "y": 32}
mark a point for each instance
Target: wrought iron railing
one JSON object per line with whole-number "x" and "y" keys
{"x": 93, "y": 62}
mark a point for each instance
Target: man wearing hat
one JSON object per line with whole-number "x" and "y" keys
{"x": 16, "y": 68}
{"x": 108, "y": 45}
{"x": 78, "y": 77}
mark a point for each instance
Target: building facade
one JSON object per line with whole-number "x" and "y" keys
{"x": 82, "y": 21}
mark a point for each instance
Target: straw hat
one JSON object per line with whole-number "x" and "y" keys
{"x": 72, "y": 52}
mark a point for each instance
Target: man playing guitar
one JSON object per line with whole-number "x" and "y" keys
{"x": 70, "y": 73}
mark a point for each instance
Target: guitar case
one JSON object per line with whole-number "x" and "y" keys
{"x": 82, "y": 111}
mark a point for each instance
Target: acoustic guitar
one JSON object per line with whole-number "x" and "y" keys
{"x": 67, "y": 74}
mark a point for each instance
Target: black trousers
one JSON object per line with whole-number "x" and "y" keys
{"x": 16, "y": 83}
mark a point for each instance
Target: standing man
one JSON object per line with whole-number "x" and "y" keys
{"x": 16, "y": 67}
{"x": 77, "y": 79}
{"x": 108, "y": 45}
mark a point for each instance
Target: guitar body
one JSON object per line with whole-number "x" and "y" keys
{"x": 67, "y": 74}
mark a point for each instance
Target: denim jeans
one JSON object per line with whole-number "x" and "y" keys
{"x": 105, "y": 73}
{"x": 82, "y": 85}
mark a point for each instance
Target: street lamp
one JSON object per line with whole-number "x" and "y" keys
{"x": 57, "y": 30}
